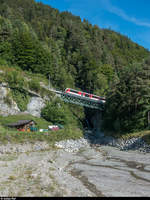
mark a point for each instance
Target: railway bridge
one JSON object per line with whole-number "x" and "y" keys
{"x": 79, "y": 100}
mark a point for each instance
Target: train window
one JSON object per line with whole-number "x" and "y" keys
{"x": 96, "y": 97}
{"x": 86, "y": 95}
{"x": 74, "y": 91}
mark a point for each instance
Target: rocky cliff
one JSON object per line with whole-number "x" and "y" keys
{"x": 6, "y": 108}
{"x": 9, "y": 107}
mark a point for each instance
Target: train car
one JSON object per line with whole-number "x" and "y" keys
{"x": 84, "y": 94}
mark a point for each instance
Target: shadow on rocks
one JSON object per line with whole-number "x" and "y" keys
{"x": 97, "y": 138}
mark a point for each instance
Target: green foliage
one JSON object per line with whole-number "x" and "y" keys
{"x": 21, "y": 98}
{"x": 6, "y": 51}
{"x": 16, "y": 82}
{"x": 34, "y": 85}
{"x": 128, "y": 100}
{"x": 3, "y": 62}
{"x": 39, "y": 39}
{"x": 29, "y": 53}
{"x": 14, "y": 79}
{"x": 108, "y": 71}
{"x": 58, "y": 112}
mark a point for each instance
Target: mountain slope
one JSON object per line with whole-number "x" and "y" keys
{"x": 41, "y": 39}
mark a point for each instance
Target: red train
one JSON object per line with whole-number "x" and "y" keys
{"x": 84, "y": 94}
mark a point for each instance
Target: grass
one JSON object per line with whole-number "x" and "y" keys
{"x": 14, "y": 136}
{"x": 41, "y": 123}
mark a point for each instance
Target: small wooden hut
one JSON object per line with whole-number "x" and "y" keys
{"x": 23, "y": 125}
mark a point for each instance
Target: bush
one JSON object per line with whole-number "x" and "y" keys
{"x": 3, "y": 62}
{"x": 21, "y": 98}
{"x": 14, "y": 79}
{"x": 34, "y": 85}
{"x": 58, "y": 112}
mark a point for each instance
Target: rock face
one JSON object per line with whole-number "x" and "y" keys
{"x": 6, "y": 109}
{"x": 35, "y": 105}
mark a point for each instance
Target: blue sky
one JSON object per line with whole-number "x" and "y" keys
{"x": 128, "y": 17}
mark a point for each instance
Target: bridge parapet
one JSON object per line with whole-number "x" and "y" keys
{"x": 82, "y": 101}
{"x": 79, "y": 100}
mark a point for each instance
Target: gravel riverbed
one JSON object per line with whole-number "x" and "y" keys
{"x": 89, "y": 166}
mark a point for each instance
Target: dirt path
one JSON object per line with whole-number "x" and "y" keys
{"x": 104, "y": 171}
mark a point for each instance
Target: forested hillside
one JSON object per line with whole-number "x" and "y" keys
{"x": 40, "y": 39}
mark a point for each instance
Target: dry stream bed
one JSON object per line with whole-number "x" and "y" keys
{"x": 100, "y": 171}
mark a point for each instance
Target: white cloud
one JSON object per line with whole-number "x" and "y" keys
{"x": 117, "y": 11}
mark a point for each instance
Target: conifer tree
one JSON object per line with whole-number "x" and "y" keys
{"x": 129, "y": 100}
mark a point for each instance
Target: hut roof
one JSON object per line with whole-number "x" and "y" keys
{"x": 20, "y": 123}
